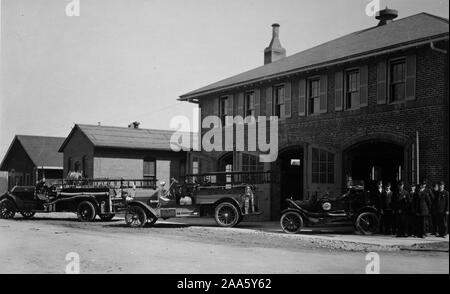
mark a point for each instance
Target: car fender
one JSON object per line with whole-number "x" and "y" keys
{"x": 231, "y": 200}
{"x": 294, "y": 210}
{"x": 367, "y": 209}
{"x": 144, "y": 206}
{"x": 10, "y": 197}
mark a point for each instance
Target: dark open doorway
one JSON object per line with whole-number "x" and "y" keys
{"x": 375, "y": 160}
{"x": 291, "y": 164}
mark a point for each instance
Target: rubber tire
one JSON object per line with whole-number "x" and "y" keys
{"x": 86, "y": 205}
{"x": 365, "y": 232}
{"x": 151, "y": 219}
{"x": 10, "y": 205}
{"x": 106, "y": 217}
{"x": 241, "y": 217}
{"x": 233, "y": 208}
{"x": 27, "y": 214}
{"x": 295, "y": 215}
{"x": 135, "y": 212}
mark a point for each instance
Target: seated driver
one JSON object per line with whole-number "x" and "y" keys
{"x": 163, "y": 193}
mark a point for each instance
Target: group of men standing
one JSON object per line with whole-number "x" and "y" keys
{"x": 415, "y": 212}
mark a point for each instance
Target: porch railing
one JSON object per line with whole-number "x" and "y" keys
{"x": 231, "y": 178}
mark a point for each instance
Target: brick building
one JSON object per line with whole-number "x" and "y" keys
{"x": 120, "y": 152}
{"x": 369, "y": 105}
{"x": 31, "y": 158}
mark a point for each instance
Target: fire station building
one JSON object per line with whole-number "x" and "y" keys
{"x": 371, "y": 105}
{"x": 122, "y": 152}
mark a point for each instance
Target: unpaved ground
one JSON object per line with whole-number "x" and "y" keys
{"x": 41, "y": 245}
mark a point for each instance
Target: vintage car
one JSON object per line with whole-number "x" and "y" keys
{"x": 81, "y": 197}
{"x": 228, "y": 203}
{"x": 351, "y": 209}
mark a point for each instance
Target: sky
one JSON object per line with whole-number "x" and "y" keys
{"x": 129, "y": 60}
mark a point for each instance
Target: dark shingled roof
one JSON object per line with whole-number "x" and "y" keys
{"x": 405, "y": 31}
{"x": 123, "y": 137}
{"x": 43, "y": 151}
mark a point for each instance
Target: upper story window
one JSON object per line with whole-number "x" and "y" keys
{"x": 249, "y": 104}
{"x": 322, "y": 166}
{"x": 223, "y": 109}
{"x": 278, "y": 100}
{"x": 352, "y": 89}
{"x": 397, "y": 84}
{"x": 314, "y": 96}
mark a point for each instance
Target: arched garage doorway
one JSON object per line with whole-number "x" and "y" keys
{"x": 375, "y": 160}
{"x": 289, "y": 169}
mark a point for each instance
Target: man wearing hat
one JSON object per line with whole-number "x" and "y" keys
{"x": 422, "y": 207}
{"x": 441, "y": 209}
{"x": 402, "y": 210}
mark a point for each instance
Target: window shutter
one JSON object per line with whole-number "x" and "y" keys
{"x": 257, "y": 102}
{"x": 230, "y": 109}
{"x": 411, "y": 77}
{"x": 323, "y": 93}
{"x": 338, "y": 90}
{"x": 381, "y": 82}
{"x": 364, "y": 86}
{"x": 215, "y": 106}
{"x": 287, "y": 100}
{"x": 302, "y": 97}
{"x": 240, "y": 101}
{"x": 269, "y": 101}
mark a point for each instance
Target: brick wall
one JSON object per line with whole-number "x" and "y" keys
{"x": 398, "y": 123}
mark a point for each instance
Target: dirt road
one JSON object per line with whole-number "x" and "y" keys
{"x": 41, "y": 245}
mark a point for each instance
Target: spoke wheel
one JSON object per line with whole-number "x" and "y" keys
{"x": 86, "y": 211}
{"x": 7, "y": 209}
{"x": 226, "y": 215}
{"x": 136, "y": 216}
{"x": 106, "y": 217}
{"x": 27, "y": 214}
{"x": 367, "y": 223}
{"x": 291, "y": 222}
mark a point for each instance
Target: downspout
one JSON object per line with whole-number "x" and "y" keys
{"x": 433, "y": 47}
{"x": 417, "y": 158}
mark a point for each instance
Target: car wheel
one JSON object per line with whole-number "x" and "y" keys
{"x": 291, "y": 222}
{"x": 7, "y": 208}
{"x": 27, "y": 214}
{"x": 106, "y": 217}
{"x": 135, "y": 216}
{"x": 86, "y": 211}
{"x": 151, "y": 219}
{"x": 367, "y": 223}
{"x": 226, "y": 214}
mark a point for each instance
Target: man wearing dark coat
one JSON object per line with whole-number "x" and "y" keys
{"x": 441, "y": 209}
{"x": 422, "y": 207}
{"x": 402, "y": 205}
{"x": 387, "y": 210}
{"x": 413, "y": 194}
{"x": 434, "y": 210}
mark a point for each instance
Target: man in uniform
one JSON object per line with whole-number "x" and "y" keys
{"x": 441, "y": 209}
{"x": 402, "y": 210}
{"x": 387, "y": 210}
{"x": 422, "y": 207}
{"x": 434, "y": 210}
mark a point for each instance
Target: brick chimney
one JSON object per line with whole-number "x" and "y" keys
{"x": 275, "y": 51}
{"x": 386, "y": 16}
